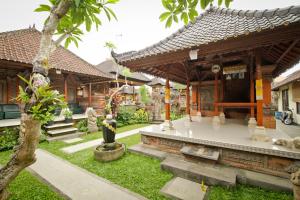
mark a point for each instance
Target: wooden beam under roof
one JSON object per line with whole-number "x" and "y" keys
{"x": 287, "y": 50}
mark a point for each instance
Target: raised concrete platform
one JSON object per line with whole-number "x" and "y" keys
{"x": 148, "y": 151}
{"x": 182, "y": 189}
{"x": 211, "y": 175}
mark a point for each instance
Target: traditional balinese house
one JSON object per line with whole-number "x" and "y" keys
{"x": 229, "y": 57}
{"x": 288, "y": 95}
{"x": 78, "y": 80}
{"x": 128, "y": 94}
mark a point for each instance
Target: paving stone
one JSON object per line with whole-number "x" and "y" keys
{"x": 94, "y": 143}
{"x": 70, "y": 141}
{"x": 183, "y": 189}
{"x": 145, "y": 150}
{"x": 76, "y": 183}
{"x": 210, "y": 174}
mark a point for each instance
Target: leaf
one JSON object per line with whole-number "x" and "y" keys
{"x": 77, "y": 2}
{"x": 204, "y": 3}
{"x": 112, "y": 13}
{"x": 169, "y": 22}
{"x": 24, "y": 79}
{"x": 67, "y": 42}
{"x": 175, "y": 18}
{"x": 164, "y": 16}
{"x": 88, "y": 24}
{"x": 227, "y": 3}
{"x": 220, "y": 2}
{"x": 112, "y": 1}
{"x": 107, "y": 14}
{"x": 185, "y": 18}
{"x": 43, "y": 8}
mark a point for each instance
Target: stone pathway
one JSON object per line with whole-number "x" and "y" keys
{"x": 93, "y": 143}
{"x": 70, "y": 141}
{"x": 76, "y": 183}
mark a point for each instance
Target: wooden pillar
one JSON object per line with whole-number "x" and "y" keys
{"x": 90, "y": 94}
{"x": 167, "y": 100}
{"x": 251, "y": 89}
{"x": 216, "y": 95}
{"x": 8, "y": 90}
{"x": 188, "y": 109}
{"x": 199, "y": 98}
{"x": 66, "y": 87}
{"x": 222, "y": 92}
{"x": 259, "y": 90}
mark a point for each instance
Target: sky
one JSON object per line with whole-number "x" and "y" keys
{"x": 137, "y": 27}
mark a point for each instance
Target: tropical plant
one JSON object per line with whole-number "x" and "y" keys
{"x": 185, "y": 9}
{"x": 9, "y": 138}
{"x": 82, "y": 125}
{"x": 141, "y": 116}
{"x": 144, "y": 94}
{"x": 67, "y": 113}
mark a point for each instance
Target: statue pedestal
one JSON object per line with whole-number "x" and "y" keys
{"x": 222, "y": 118}
{"x": 216, "y": 120}
{"x": 252, "y": 122}
{"x": 168, "y": 125}
{"x": 259, "y": 134}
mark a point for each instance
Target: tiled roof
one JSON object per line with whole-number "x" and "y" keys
{"x": 291, "y": 78}
{"x": 217, "y": 24}
{"x": 111, "y": 67}
{"x": 22, "y": 46}
{"x": 156, "y": 81}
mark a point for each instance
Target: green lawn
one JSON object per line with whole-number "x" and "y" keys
{"x": 245, "y": 192}
{"x": 28, "y": 187}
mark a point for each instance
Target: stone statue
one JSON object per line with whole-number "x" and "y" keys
{"x": 157, "y": 104}
{"x": 289, "y": 143}
{"x": 92, "y": 120}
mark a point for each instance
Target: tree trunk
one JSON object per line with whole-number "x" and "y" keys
{"x": 30, "y": 128}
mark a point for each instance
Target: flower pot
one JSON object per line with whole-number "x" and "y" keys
{"x": 68, "y": 120}
{"x": 108, "y": 133}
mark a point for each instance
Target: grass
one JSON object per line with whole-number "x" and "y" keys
{"x": 28, "y": 187}
{"x": 245, "y": 192}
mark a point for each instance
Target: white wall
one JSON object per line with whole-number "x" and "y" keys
{"x": 292, "y": 104}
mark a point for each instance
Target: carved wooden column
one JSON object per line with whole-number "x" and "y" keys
{"x": 188, "y": 99}
{"x": 90, "y": 94}
{"x": 167, "y": 124}
{"x": 252, "y": 120}
{"x": 259, "y": 91}
{"x": 66, "y": 87}
{"x": 199, "y": 100}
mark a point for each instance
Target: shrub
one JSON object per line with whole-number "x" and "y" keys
{"x": 141, "y": 116}
{"x": 125, "y": 116}
{"x": 9, "y": 138}
{"x": 82, "y": 125}
{"x": 175, "y": 116}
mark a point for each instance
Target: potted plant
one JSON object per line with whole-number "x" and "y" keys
{"x": 68, "y": 115}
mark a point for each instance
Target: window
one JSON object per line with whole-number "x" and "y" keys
{"x": 285, "y": 99}
{"x": 298, "y": 107}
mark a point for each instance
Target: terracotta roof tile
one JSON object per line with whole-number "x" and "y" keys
{"x": 22, "y": 46}
{"x": 217, "y": 24}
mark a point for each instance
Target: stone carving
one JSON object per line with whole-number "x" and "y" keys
{"x": 92, "y": 120}
{"x": 292, "y": 143}
{"x": 157, "y": 100}
{"x": 295, "y": 179}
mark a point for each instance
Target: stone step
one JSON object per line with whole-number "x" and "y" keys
{"x": 62, "y": 131}
{"x": 148, "y": 151}
{"x": 264, "y": 181}
{"x": 210, "y": 174}
{"x": 202, "y": 152}
{"x": 59, "y": 125}
{"x": 65, "y": 137}
{"x": 183, "y": 189}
